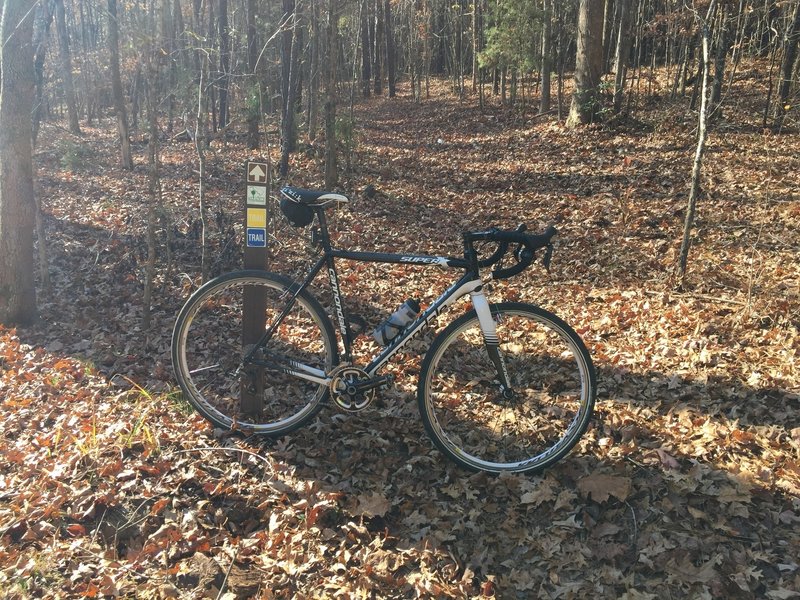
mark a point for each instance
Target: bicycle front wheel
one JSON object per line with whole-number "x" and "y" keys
{"x": 552, "y": 398}
{"x": 208, "y": 346}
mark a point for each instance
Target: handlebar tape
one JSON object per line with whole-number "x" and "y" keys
{"x": 528, "y": 244}
{"x": 532, "y": 241}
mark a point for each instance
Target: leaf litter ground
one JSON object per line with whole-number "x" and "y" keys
{"x": 685, "y": 485}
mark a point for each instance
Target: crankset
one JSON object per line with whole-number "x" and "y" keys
{"x": 352, "y": 389}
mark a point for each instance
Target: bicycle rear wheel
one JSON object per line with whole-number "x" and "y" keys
{"x": 208, "y": 350}
{"x": 553, "y": 382}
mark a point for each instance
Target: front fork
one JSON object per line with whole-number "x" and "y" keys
{"x": 489, "y": 330}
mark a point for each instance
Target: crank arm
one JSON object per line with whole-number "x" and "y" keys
{"x": 375, "y": 382}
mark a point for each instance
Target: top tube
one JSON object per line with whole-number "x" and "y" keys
{"x": 407, "y": 259}
{"x": 384, "y": 257}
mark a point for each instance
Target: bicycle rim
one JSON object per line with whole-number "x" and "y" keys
{"x": 553, "y": 383}
{"x": 208, "y": 348}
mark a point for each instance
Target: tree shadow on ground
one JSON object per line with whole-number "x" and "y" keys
{"x": 659, "y": 496}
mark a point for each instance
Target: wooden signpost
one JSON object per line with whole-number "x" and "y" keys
{"x": 255, "y": 257}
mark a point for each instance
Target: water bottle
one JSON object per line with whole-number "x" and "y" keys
{"x": 407, "y": 312}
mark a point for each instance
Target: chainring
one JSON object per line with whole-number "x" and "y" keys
{"x": 343, "y": 389}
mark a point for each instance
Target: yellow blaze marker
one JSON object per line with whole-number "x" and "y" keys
{"x": 256, "y": 217}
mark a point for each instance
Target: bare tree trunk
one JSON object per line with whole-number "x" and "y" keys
{"x": 331, "y": 171}
{"x": 415, "y": 55}
{"x": 623, "y": 50}
{"x": 17, "y": 207}
{"x": 287, "y": 36}
{"x": 378, "y": 56}
{"x": 153, "y": 201}
{"x": 224, "y": 62}
{"x": 790, "y": 43}
{"x": 41, "y": 29}
{"x": 254, "y": 97}
{"x": 428, "y": 52}
{"x": 366, "y": 52}
{"x": 608, "y": 31}
{"x": 476, "y": 41}
{"x": 562, "y": 60}
{"x": 314, "y": 74}
{"x": 458, "y": 50}
{"x": 66, "y": 68}
{"x": 391, "y": 67}
{"x": 136, "y": 90}
{"x": 698, "y": 79}
{"x": 724, "y": 38}
{"x": 200, "y": 140}
{"x": 589, "y": 65}
{"x": 697, "y": 166}
{"x": 680, "y": 79}
{"x": 289, "y": 104}
{"x": 773, "y": 56}
{"x": 89, "y": 65}
{"x": 116, "y": 86}
{"x": 547, "y": 55}
{"x": 179, "y": 34}
{"x": 41, "y": 32}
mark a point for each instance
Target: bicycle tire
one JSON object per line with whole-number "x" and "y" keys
{"x": 207, "y": 352}
{"x": 461, "y": 402}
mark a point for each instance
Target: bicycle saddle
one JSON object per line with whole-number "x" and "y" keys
{"x": 313, "y": 198}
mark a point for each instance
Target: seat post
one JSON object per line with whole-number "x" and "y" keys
{"x": 323, "y": 229}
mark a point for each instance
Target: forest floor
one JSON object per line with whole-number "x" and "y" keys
{"x": 687, "y": 483}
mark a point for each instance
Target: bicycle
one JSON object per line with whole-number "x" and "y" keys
{"x": 504, "y": 387}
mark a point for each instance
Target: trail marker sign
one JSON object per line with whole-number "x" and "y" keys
{"x": 257, "y": 172}
{"x": 256, "y": 195}
{"x": 256, "y": 220}
{"x": 257, "y": 217}
{"x": 256, "y": 238}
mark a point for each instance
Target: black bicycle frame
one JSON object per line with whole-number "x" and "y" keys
{"x": 468, "y": 283}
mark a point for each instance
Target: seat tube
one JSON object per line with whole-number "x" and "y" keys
{"x": 492, "y": 343}
{"x": 339, "y": 310}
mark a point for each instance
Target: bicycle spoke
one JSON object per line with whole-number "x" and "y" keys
{"x": 208, "y": 351}
{"x": 466, "y": 412}
{"x": 201, "y": 369}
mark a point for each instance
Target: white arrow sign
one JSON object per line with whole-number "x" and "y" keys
{"x": 257, "y": 173}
